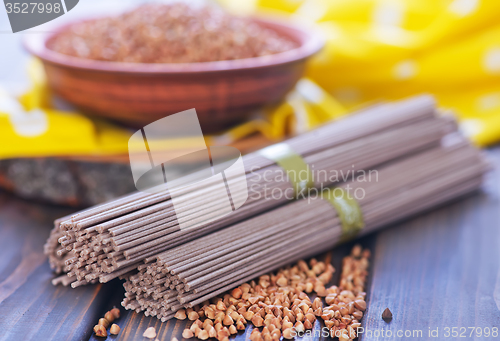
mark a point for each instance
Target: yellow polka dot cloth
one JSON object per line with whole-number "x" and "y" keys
{"x": 389, "y": 49}
{"x": 31, "y": 126}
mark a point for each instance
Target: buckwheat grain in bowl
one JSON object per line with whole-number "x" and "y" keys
{"x": 170, "y": 33}
{"x": 161, "y": 59}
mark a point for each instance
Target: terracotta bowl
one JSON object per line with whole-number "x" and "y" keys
{"x": 222, "y": 92}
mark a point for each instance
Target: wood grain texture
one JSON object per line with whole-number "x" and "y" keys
{"x": 437, "y": 270}
{"x": 31, "y": 308}
{"x": 440, "y": 270}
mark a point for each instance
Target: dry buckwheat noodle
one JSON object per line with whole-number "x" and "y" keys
{"x": 113, "y": 239}
{"x": 191, "y": 273}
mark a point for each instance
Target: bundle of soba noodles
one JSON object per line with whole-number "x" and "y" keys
{"x": 112, "y": 239}
{"x": 194, "y": 272}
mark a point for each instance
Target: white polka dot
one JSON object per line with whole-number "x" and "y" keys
{"x": 29, "y": 124}
{"x": 26, "y": 124}
{"x": 312, "y": 10}
{"x": 8, "y": 105}
{"x": 388, "y": 14}
{"x": 488, "y": 102}
{"x": 331, "y": 29}
{"x": 471, "y": 127}
{"x": 405, "y": 69}
{"x": 491, "y": 60}
{"x": 310, "y": 91}
{"x": 463, "y": 7}
{"x": 299, "y": 111}
{"x": 388, "y": 35}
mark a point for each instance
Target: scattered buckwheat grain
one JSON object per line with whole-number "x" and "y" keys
{"x": 387, "y": 315}
{"x": 100, "y": 331}
{"x": 280, "y": 305}
{"x": 115, "y": 329}
{"x": 150, "y": 333}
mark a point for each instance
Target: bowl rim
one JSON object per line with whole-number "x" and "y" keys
{"x": 310, "y": 39}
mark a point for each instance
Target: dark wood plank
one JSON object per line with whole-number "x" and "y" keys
{"x": 440, "y": 270}
{"x": 31, "y": 308}
{"x": 437, "y": 270}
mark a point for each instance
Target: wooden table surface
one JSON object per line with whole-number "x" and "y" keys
{"x": 437, "y": 272}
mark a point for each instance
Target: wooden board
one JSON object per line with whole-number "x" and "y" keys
{"x": 30, "y": 306}
{"x": 82, "y": 181}
{"x": 438, "y": 270}
{"x": 441, "y": 271}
